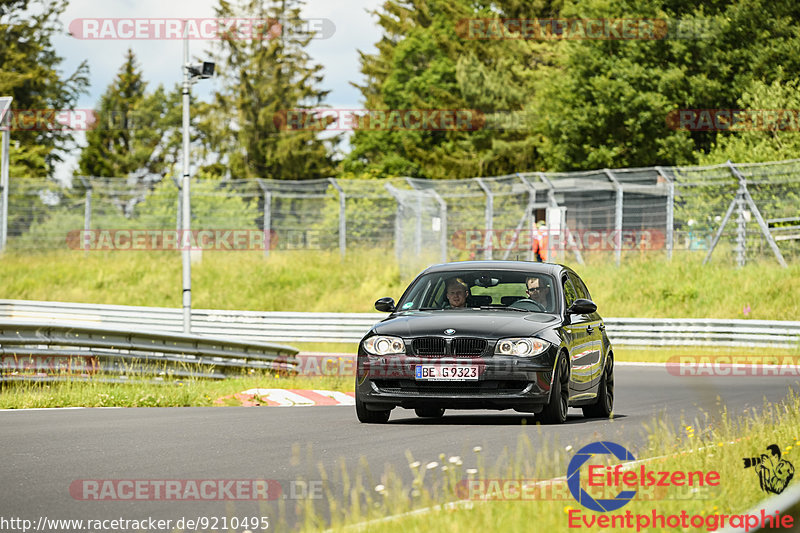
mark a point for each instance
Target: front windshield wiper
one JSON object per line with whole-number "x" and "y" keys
{"x": 505, "y": 308}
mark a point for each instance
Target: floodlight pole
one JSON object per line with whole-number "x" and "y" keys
{"x": 185, "y": 205}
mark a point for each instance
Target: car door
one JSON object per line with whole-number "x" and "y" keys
{"x": 575, "y": 338}
{"x": 588, "y": 363}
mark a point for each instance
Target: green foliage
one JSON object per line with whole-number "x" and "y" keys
{"x": 131, "y": 135}
{"x": 609, "y": 103}
{"x": 424, "y": 62}
{"x": 212, "y": 207}
{"x": 263, "y": 78}
{"x": 760, "y": 145}
{"x": 29, "y": 72}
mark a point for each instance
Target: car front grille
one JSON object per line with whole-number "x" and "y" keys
{"x": 429, "y": 346}
{"x": 457, "y": 347}
{"x": 467, "y": 346}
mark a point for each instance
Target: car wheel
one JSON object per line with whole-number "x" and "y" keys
{"x": 555, "y": 412}
{"x": 605, "y": 394}
{"x": 429, "y": 412}
{"x": 370, "y": 417}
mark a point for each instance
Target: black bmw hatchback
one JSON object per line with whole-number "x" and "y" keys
{"x": 488, "y": 335}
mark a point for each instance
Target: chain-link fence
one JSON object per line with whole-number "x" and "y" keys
{"x": 744, "y": 211}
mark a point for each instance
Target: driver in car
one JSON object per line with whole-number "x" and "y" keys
{"x": 457, "y": 292}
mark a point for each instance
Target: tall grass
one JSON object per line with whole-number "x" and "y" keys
{"x": 322, "y": 281}
{"x": 432, "y": 501}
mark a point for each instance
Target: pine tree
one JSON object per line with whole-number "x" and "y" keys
{"x": 264, "y": 77}
{"x": 29, "y": 73}
{"x": 131, "y": 125}
{"x": 426, "y": 60}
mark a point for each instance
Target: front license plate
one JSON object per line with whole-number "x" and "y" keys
{"x": 446, "y": 372}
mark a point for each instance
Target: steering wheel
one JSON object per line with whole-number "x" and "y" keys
{"x": 539, "y": 307}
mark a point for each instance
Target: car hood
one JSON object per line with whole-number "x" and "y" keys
{"x": 466, "y": 323}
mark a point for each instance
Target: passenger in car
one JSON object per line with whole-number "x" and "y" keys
{"x": 539, "y": 291}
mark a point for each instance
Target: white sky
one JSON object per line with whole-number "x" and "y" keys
{"x": 160, "y": 60}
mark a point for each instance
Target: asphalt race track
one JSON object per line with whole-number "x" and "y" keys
{"x": 45, "y": 451}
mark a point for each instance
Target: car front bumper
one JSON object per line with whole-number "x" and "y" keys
{"x": 504, "y": 382}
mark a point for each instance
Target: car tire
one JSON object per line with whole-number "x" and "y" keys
{"x": 429, "y": 412}
{"x": 366, "y": 416}
{"x": 605, "y": 394}
{"x": 555, "y": 412}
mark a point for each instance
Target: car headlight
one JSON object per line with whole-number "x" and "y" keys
{"x": 522, "y": 347}
{"x": 384, "y": 345}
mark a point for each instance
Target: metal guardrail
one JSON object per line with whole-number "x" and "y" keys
{"x": 350, "y": 327}
{"x": 787, "y": 504}
{"x": 47, "y": 349}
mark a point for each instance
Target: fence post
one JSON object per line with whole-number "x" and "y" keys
{"x": 670, "y": 210}
{"x": 342, "y": 221}
{"x": 442, "y": 224}
{"x": 398, "y": 220}
{"x": 756, "y": 213}
{"x": 617, "y": 216}
{"x": 87, "y": 213}
{"x": 267, "y": 216}
{"x": 551, "y": 202}
{"x": 525, "y": 215}
{"x": 489, "y": 216}
{"x": 741, "y": 226}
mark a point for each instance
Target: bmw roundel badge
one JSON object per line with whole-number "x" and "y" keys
{"x": 449, "y": 331}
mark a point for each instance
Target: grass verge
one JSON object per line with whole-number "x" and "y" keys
{"x": 187, "y": 392}
{"x": 322, "y": 281}
{"x": 436, "y": 498}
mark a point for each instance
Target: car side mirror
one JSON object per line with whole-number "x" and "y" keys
{"x": 385, "y": 305}
{"x": 582, "y": 306}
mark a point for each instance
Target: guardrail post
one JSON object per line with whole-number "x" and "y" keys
{"x": 342, "y": 219}
{"x": 489, "y": 216}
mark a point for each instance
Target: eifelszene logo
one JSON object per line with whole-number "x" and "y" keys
{"x": 625, "y": 476}
{"x": 774, "y": 473}
{"x": 574, "y": 476}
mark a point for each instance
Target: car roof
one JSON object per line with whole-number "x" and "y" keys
{"x": 526, "y": 266}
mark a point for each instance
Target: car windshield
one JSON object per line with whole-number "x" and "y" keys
{"x": 482, "y": 289}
